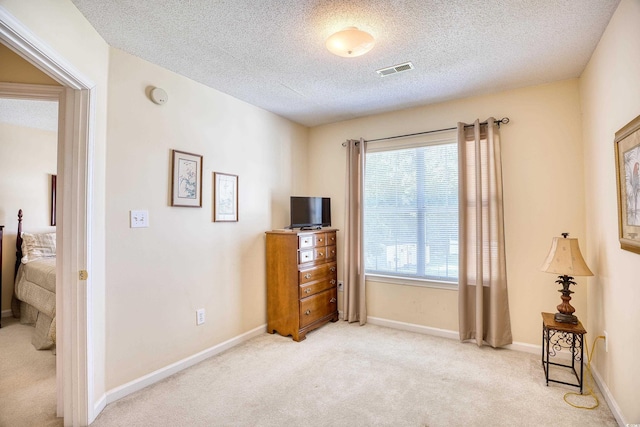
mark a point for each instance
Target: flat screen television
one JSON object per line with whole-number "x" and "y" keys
{"x": 310, "y": 212}
{"x": 326, "y": 212}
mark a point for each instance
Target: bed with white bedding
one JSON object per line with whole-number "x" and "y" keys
{"x": 34, "y": 299}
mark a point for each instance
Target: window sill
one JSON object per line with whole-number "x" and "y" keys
{"x": 423, "y": 283}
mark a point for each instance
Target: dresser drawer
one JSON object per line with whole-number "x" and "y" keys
{"x": 320, "y": 254}
{"x": 306, "y": 256}
{"x": 313, "y": 288}
{"x": 318, "y": 306}
{"x": 320, "y": 239}
{"x": 306, "y": 241}
{"x": 331, "y": 238}
{"x": 317, "y": 273}
{"x": 331, "y": 252}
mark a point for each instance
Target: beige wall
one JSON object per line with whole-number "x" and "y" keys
{"x": 543, "y": 191}
{"x": 27, "y": 161}
{"x": 59, "y": 25}
{"x": 158, "y": 276}
{"x": 610, "y": 91}
{"x": 16, "y": 70}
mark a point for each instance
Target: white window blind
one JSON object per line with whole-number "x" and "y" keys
{"x": 411, "y": 211}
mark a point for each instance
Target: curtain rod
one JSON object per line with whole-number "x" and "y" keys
{"x": 503, "y": 121}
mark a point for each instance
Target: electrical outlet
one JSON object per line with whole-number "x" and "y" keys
{"x": 200, "y": 316}
{"x": 340, "y": 286}
{"x": 139, "y": 219}
{"x": 606, "y": 342}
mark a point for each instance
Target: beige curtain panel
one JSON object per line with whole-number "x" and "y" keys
{"x": 483, "y": 304}
{"x": 355, "y": 309}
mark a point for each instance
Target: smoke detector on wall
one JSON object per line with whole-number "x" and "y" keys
{"x": 158, "y": 96}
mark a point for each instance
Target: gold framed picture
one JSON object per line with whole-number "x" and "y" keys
{"x": 627, "y": 150}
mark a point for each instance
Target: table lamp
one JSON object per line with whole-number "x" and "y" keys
{"x": 566, "y": 260}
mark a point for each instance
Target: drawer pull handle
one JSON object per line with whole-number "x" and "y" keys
{"x": 332, "y": 300}
{"x": 320, "y": 239}
{"x": 320, "y": 254}
{"x": 308, "y": 312}
{"x": 333, "y": 269}
{"x": 333, "y": 282}
{"x": 307, "y": 276}
{"x": 308, "y": 290}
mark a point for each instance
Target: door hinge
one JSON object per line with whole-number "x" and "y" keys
{"x": 83, "y": 275}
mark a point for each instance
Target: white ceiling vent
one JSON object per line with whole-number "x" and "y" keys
{"x": 395, "y": 69}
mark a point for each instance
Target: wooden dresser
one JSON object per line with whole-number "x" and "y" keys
{"x": 302, "y": 278}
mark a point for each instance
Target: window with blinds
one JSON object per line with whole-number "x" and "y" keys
{"x": 411, "y": 212}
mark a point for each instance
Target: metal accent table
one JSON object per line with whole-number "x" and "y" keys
{"x": 557, "y": 336}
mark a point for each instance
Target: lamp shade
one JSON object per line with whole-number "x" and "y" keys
{"x": 350, "y": 42}
{"x": 565, "y": 258}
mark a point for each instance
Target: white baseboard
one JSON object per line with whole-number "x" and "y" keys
{"x": 98, "y": 407}
{"x": 446, "y": 333}
{"x": 608, "y": 397}
{"x": 162, "y": 373}
{"x": 412, "y": 327}
{"x": 525, "y": 347}
{"x": 6, "y": 313}
{"x": 562, "y": 355}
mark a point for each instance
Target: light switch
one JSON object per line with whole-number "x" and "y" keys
{"x": 139, "y": 219}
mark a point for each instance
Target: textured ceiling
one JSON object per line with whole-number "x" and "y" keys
{"x": 32, "y": 114}
{"x": 271, "y": 53}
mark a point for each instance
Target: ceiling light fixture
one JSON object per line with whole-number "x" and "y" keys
{"x": 350, "y": 42}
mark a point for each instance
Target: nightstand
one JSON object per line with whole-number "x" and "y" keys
{"x": 557, "y": 336}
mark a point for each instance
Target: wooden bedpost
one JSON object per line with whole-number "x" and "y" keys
{"x": 18, "y": 244}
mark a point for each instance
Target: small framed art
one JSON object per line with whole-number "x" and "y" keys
{"x": 52, "y": 194}
{"x": 627, "y": 149}
{"x": 186, "y": 179}
{"x": 225, "y": 197}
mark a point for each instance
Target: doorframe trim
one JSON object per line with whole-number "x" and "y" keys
{"x": 75, "y": 362}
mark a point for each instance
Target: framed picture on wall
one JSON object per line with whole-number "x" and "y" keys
{"x": 225, "y": 197}
{"x": 186, "y": 179}
{"x": 54, "y": 179}
{"x": 627, "y": 150}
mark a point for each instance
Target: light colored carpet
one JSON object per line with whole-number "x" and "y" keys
{"x": 27, "y": 379}
{"x": 357, "y": 376}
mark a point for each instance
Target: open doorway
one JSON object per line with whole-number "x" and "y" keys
{"x": 28, "y": 163}
{"x": 75, "y": 366}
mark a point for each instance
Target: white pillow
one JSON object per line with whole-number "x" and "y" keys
{"x": 37, "y": 246}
